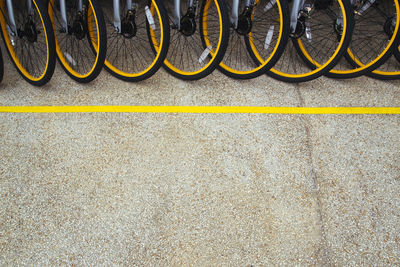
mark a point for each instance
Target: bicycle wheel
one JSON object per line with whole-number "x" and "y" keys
{"x": 374, "y": 36}
{"x": 262, "y": 27}
{"x": 198, "y": 39}
{"x": 30, "y": 40}
{"x": 320, "y": 38}
{"x": 137, "y": 42}
{"x": 80, "y": 38}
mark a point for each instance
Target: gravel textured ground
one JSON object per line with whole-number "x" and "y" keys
{"x": 199, "y": 189}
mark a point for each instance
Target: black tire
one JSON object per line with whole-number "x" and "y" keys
{"x": 390, "y": 70}
{"x": 396, "y": 53}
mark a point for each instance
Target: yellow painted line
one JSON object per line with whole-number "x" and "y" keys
{"x": 200, "y": 109}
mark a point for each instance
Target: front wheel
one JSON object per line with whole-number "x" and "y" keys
{"x": 136, "y": 49}
{"x": 374, "y": 37}
{"x": 199, "y": 42}
{"x": 30, "y": 42}
{"x": 322, "y": 35}
{"x": 258, "y": 40}
{"x": 81, "y": 40}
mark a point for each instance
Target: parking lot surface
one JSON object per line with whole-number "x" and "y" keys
{"x": 199, "y": 189}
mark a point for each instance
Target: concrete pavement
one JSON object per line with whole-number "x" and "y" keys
{"x": 199, "y": 189}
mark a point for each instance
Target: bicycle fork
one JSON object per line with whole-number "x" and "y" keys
{"x": 300, "y": 11}
{"x": 234, "y": 16}
{"x": 176, "y": 20}
{"x": 117, "y": 13}
{"x": 11, "y": 16}
{"x": 63, "y": 11}
{"x": 294, "y": 14}
{"x": 127, "y": 25}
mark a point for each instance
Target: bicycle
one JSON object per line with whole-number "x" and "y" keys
{"x": 258, "y": 36}
{"x": 320, "y": 32}
{"x": 80, "y": 36}
{"x": 199, "y": 37}
{"x": 375, "y": 33}
{"x": 138, "y": 38}
{"x": 28, "y": 37}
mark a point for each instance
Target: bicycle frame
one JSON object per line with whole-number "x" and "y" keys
{"x": 299, "y": 5}
{"x": 364, "y": 7}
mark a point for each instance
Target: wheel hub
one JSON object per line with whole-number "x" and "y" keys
{"x": 78, "y": 27}
{"x": 30, "y": 31}
{"x": 244, "y": 21}
{"x": 128, "y": 25}
{"x": 188, "y": 23}
{"x": 244, "y": 25}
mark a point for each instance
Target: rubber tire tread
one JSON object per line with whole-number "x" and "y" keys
{"x": 396, "y": 52}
